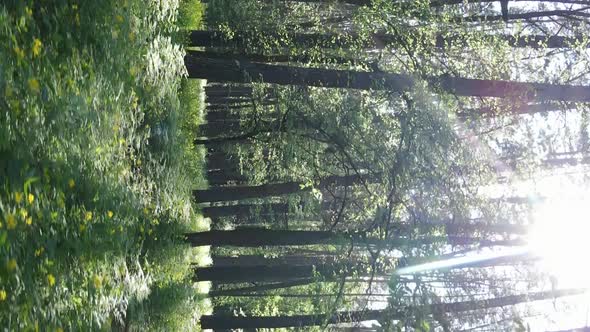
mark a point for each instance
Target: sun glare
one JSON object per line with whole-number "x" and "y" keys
{"x": 559, "y": 236}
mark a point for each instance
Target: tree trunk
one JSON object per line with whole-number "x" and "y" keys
{"x": 222, "y": 116}
{"x": 267, "y": 190}
{"x": 522, "y": 16}
{"x": 224, "y": 176}
{"x": 245, "y": 210}
{"x": 235, "y": 71}
{"x": 232, "y": 322}
{"x": 256, "y": 237}
{"x": 270, "y": 273}
{"x": 435, "y": 3}
{"x": 261, "y": 288}
{"x": 210, "y": 38}
{"x": 254, "y": 260}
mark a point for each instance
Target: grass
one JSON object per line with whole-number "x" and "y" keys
{"x": 97, "y": 167}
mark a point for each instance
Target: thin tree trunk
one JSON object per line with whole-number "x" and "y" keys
{"x": 261, "y": 288}
{"x": 437, "y": 3}
{"x": 522, "y": 16}
{"x": 245, "y": 210}
{"x": 232, "y": 322}
{"x": 270, "y": 273}
{"x": 224, "y": 176}
{"x": 235, "y": 71}
{"x": 267, "y": 190}
{"x": 256, "y": 237}
{"x": 211, "y": 38}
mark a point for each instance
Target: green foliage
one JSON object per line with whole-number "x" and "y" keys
{"x": 94, "y": 146}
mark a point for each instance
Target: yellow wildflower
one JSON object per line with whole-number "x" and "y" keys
{"x": 119, "y": 19}
{"x": 110, "y": 214}
{"x": 50, "y": 279}
{"x": 34, "y": 85}
{"x": 31, "y": 198}
{"x": 71, "y": 183}
{"x": 24, "y": 213}
{"x": 36, "y": 48}
{"x": 39, "y": 251}
{"x": 29, "y": 221}
{"x": 87, "y": 216}
{"x": 82, "y": 227}
{"x": 97, "y": 281}
{"x": 11, "y": 265}
{"x": 20, "y": 54}
{"x": 10, "y": 221}
{"x": 3, "y": 295}
{"x": 18, "y": 197}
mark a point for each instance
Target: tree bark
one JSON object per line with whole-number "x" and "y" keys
{"x": 255, "y": 237}
{"x": 261, "y": 288}
{"x": 267, "y": 190}
{"x": 235, "y": 71}
{"x": 269, "y": 273}
{"x": 245, "y": 210}
{"x": 232, "y": 322}
{"x": 211, "y": 38}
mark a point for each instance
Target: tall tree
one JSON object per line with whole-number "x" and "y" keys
{"x": 200, "y": 66}
{"x": 228, "y": 322}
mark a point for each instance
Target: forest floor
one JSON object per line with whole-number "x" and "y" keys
{"x": 97, "y": 166}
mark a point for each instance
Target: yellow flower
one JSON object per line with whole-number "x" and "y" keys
{"x": 2, "y": 295}
{"x": 50, "y": 279}
{"x": 34, "y": 85}
{"x": 88, "y": 216}
{"x": 11, "y": 265}
{"x": 20, "y": 54}
{"x": 119, "y": 19}
{"x": 18, "y": 197}
{"x": 39, "y": 251}
{"x": 36, "y": 48}
{"x": 10, "y": 221}
{"x": 31, "y": 198}
{"x": 24, "y": 213}
{"x": 29, "y": 221}
{"x": 97, "y": 281}
{"x": 110, "y": 214}
{"x": 71, "y": 183}
{"x": 82, "y": 227}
